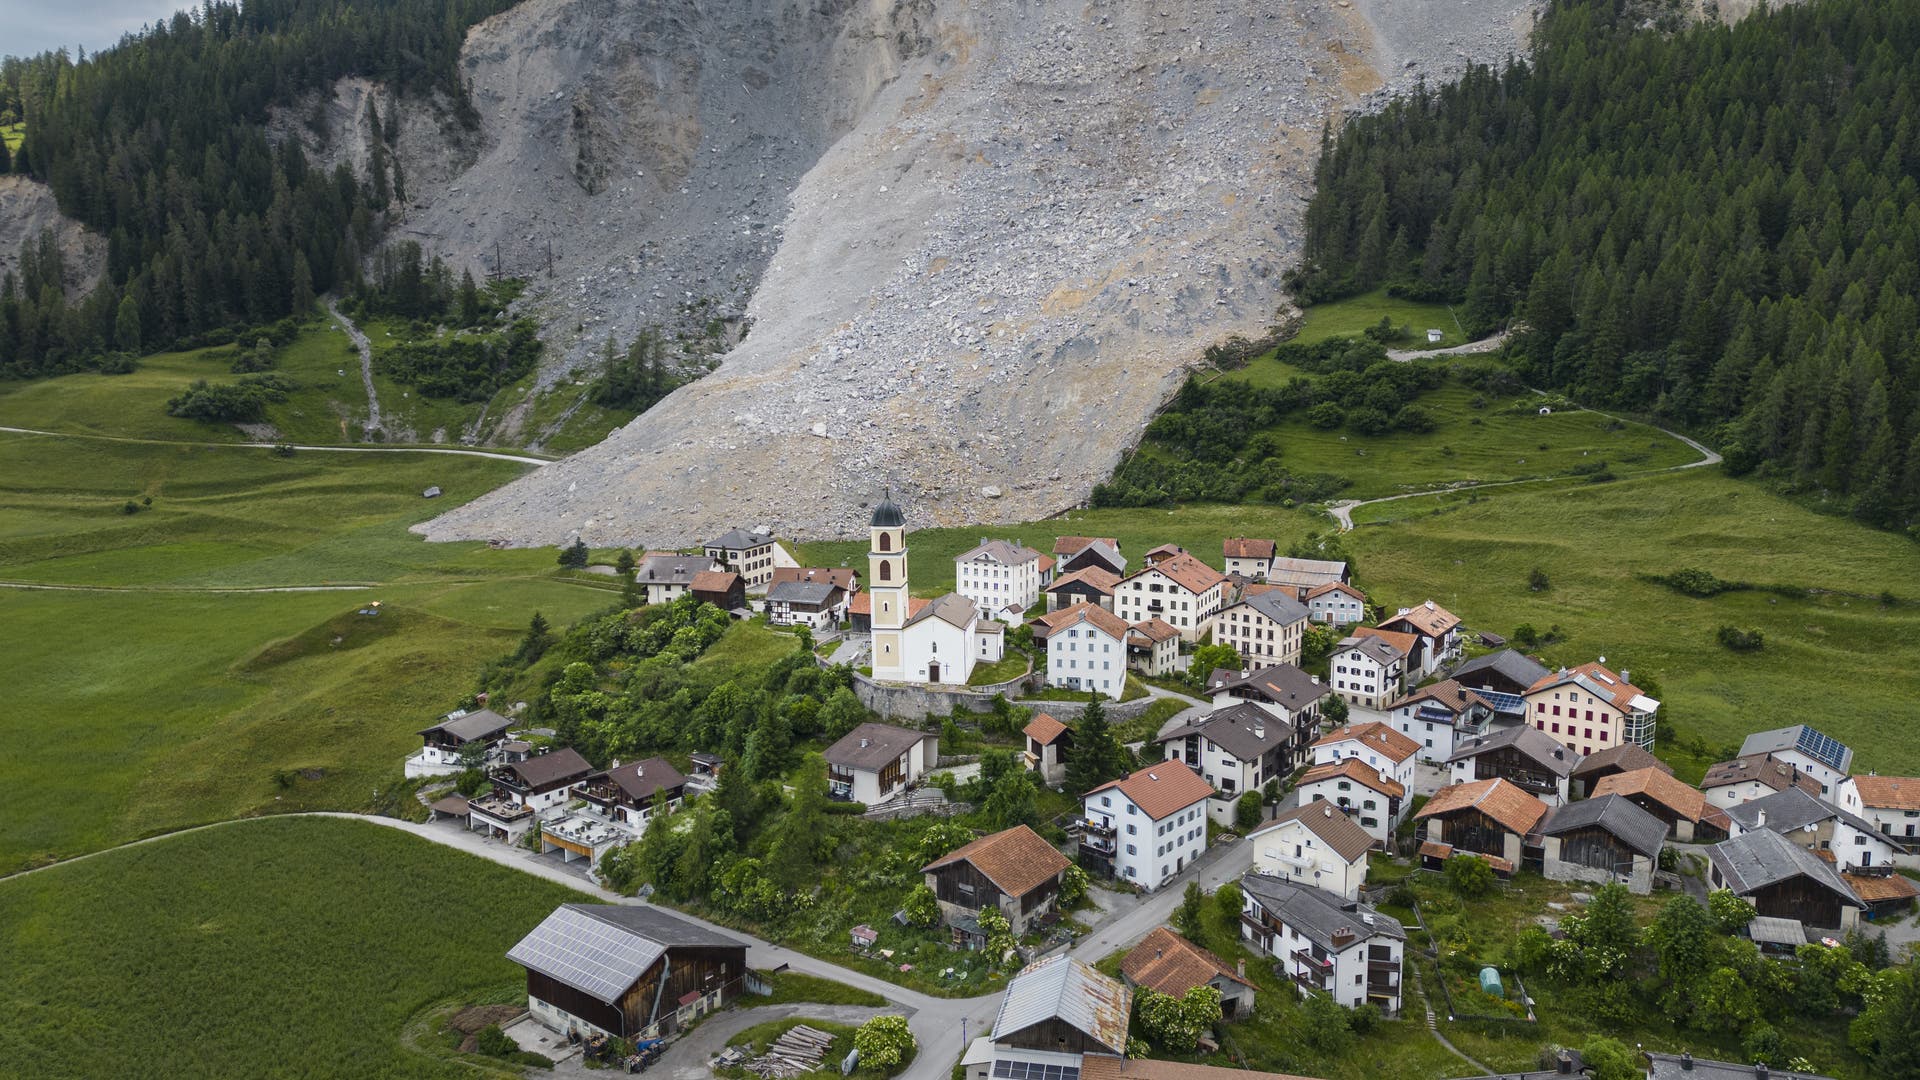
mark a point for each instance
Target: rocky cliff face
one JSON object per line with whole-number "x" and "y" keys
{"x": 978, "y": 242}
{"x": 29, "y": 211}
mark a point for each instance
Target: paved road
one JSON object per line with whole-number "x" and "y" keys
{"x": 523, "y": 459}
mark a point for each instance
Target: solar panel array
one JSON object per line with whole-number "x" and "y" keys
{"x": 1822, "y": 748}
{"x": 1028, "y": 1070}
{"x": 1504, "y": 703}
{"x": 587, "y": 954}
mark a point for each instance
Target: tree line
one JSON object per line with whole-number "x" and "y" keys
{"x": 159, "y": 144}
{"x": 1718, "y": 226}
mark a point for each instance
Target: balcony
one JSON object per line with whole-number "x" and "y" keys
{"x": 1099, "y": 845}
{"x": 1320, "y": 964}
{"x": 1310, "y": 980}
{"x": 500, "y": 808}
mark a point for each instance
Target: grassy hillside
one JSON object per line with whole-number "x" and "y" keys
{"x": 290, "y": 948}
{"x": 1355, "y": 314}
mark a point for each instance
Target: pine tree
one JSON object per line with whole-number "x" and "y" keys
{"x": 126, "y": 325}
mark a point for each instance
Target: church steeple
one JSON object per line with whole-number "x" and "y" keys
{"x": 887, "y": 586}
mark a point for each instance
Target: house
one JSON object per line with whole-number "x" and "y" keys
{"x": 1892, "y": 803}
{"x": 816, "y": 604}
{"x": 1436, "y": 634}
{"x": 1613, "y": 761}
{"x": 627, "y": 794}
{"x": 1851, "y": 841}
{"x": 1825, "y": 759}
{"x": 1504, "y": 672}
{"x": 1013, "y": 871}
{"x": 874, "y": 762}
{"x": 1146, "y": 827}
{"x": 459, "y": 737}
{"x": 1071, "y": 553}
{"x": 1375, "y": 800}
{"x": 1684, "y": 809}
{"x": 1518, "y": 755}
{"x": 522, "y": 789}
{"x": 628, "y": 971}
{"x": 750, "y": 553}
{"x": 860, "y": 612}
{"x": 1235, "y": 749}
{"x": 667, "y": 577}
{"x": 1489, "y": 818}
{"x": 1265, "y": 628}
{"x": 1783, "y": 880}
{"x": 1438, "y": 716}
{"x": 706, "y": 768}
{"x": 1590, "y": 709}
{"x": 1602, "y": 840}
{"x": 723, "y": 589}
{"x": 1169, "y": 964}
{"x": 997, "y": 573}
{"x": 1375, "y": 745}
{"x": 1153, "y": 648}
{"x": 1108, "y": 1067}
{"x": 1054, "y": 1011}
{"x": 1314, "y": 844}
{"x": 1368, "y": 669}
{"x": 1336, "y": 604}
{"x": 1288, "y": 694}
{"x": 1048, "y": 743}
{"x": 924, "y": 642}
{"x": 1086, "y": 650}
{"x": 1302, "y": 576}
{"x": 1756, "y": 776}
{"x": 1249, "y": 557}
{"x": 845, "y": 577}
{"x": 1688, "y": 1067}
{"x": 1179, "y": 589}
{"x": 1325, "y": 942}
{"x": 1092, "y": 585}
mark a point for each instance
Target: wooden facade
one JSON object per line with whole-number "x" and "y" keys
{"x": 1471, "y": 830}
{"x": 1057, "y": 1035}
{"x": 1509, "y": 764}
{"x": 1597, "y": 849}
{"x": 685, "y": 971}
{"x": 962, "y": 885}
{"x": 1799, "y": 898}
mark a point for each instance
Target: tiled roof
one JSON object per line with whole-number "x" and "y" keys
{"x": 1875, "y": 890}
{"x": 1074, "y": 614}
{"x": 1760, "y": 769}
{"x": 1542, "y": 748}
{"x": 1162, "y": 789}
{"x": 1518, "y": 668}
{"x": 1242, "y": 547}
{"x": 1626, "y": 757}
{"x": 1170, "y": 964}
{"x": 1429, "y": 618}
{"x": 478, "y": 724}
{"x": 1185, "y": 571}
{"x": 1513, "y": 807}
{"x": 1152, "y": 630}
{"x": 1597, "y": 680}
{"x": 1403, "y": 642}
{"x": 1328, "y": 822}
{"x": 1374, "y": 647}
{"x": 1375, "y": 736}
{"x": 1016, "y": 860}
{"x": 1661, "y": 787}
{"x": 1358, "y": 771}
{"x": 1321, "y": 916}
{"x": 860, "y": 604}
{"x": 1044, "y": 729}
{"x": 1333, "y": 587}
{"x": 842, "y": 576}
{"x": 1282, "y": 684}
{"x": 1447, "y": 694}
{"x": 715, "y": 581}
{"x": 1888, "y": 792}
{"x": 1069, "y": 546}
{"x": 1005, "y": 552}
{"x": 740, "y": 540}
{"x": 1098, "y": 578}
{"x": 1434, "y": 849}
{"x": 1107, "y": 1067}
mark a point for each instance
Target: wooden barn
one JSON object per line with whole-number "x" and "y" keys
{"x": 1603, "y": 839}
{"x": 1060, "y": 1006}
{"x": 631, "y": 972}
{"x": 1781, "y": 879}
{"x": 1015, "y": 871}
{"x": 1491, "y": 818}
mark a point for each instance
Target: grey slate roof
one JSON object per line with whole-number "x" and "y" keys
{"x": 1004, "y": 552}
{"x": 639, "y": 780}
{"x": 871, "y": 746}
{"x": 1317, "y": 913}
{"x": 740, "y": 540}
{"x": 1616, "y": 814}
{"x": 1831, "y": 752}
{"x": 671, "y": 569}
{"x": 1278, "y": 606}
{"x": 478, "y": 724}
{"x": 1282, "y": 684}
{"x": 1793, "y": 809}
{"x": 1328, "y": 822}
{"x": 952, "y": 608}
{"x": 1754, "y": 860}
{"x": 810, "y": 593}
{"x": 554, "y": 765}
{"x": 1061, "y": 987}
{"x": 602, "y": 949}
{"x": 1671, "y": 1067}
{"x": 1516, "y": 666}
{"x": 1233, "y": 730}
{"x": 1627, "y": 757}
{"x": 1541, "y": 748}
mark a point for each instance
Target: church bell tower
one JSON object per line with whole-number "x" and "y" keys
{"x": 887, "y": 587}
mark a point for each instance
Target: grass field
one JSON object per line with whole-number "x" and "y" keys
{"x": 13, "y": 134}
{"x": 285, "y": 948}
{"x": 1352, "y": 316}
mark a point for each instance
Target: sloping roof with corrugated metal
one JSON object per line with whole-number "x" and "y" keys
{"x": 1754, "y": 860}
{"x": 478, "y": 724}
{"x": 601, "y": 950}
{"x": 1064, "y": 988}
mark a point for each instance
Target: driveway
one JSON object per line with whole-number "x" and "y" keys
{"x": 688, "y": 1056}
{"x": 1216, "y": 866}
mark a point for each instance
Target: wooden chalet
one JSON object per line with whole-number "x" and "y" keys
{"x": 1614, "y": 760}
{"x": 626, "y": 971}
{"x": 723, "y": 589}
{"x": 1014, "y": 870}
{"x": 1683, "y": 808}
{"x": 1783, "y": 880}
{"x": 1535, "y": 761}
{"x": 1490, "y": 818}
{"x": 627, "y": 794}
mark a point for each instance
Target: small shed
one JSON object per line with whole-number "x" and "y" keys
{"x": 864, "y": 937}
{"x": 430, "y": 493}
{"x": 1775, "y": 934}
{"x": 1434, "y": 336}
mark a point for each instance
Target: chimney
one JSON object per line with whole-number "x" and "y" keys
{"x": 615, "y": 765}
{"x": 1259, "y": 729}
{"x": 1564, "y": 1063}
{"x": 1328, "y": 811}
{"x": 1429, "y": 605}
{"x": 1240, "y": 967}
{"x": 1625, "y": 675}
{"x": 864, "y": 743}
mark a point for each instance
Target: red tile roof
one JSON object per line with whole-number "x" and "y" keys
{"x": 1403, "y": 642}
{"x": 838, "y": 575}
{"x": 1374, "y": 735}
{"x": 1017, "y": 860}
{"x": 1160, "y": 790}
{"x": 1073, "y": 545}
{"x": 1429, "y": 618}
{"x": 1889, "y": 792}
{"x": 1663, "y": 788}
{"x": 1110, "y": 624}
{"x": 1152, "y": 630}
{"x": 1338, "y": 586}
{"x": 1185, "y": 571}
{"x": 1166, "y": 962}
{"x": 1241, "y": 547}
{"x": 1619, "y": 690}
{"x": 1513, "y": 807}
{"x": 1043, "y": 729}
{"x": 1358, "y": 771}
{"x": 1099, "y": 577}
{"x": 717, "y": 581}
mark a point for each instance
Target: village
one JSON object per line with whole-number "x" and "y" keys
{"x": 1302, "y": 801}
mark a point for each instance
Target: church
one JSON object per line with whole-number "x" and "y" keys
{"x": 921, "y": 641}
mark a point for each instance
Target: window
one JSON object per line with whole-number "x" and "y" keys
{"x": 886, "y": 571}
{"x": 886, "y": 544}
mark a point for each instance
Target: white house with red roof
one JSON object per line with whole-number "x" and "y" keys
{"x": 1087, "y": 650}
{"x": 1178, "y": 589}
{"x": 1437, "y": 634}
{"x": 1589, "y": 708}
{"x": 1147, "y": 827}
{"x": 1248, "y": 557}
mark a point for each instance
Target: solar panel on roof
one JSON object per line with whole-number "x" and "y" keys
{"x": 589, "y": 955}
{"x": 1821, "y": 747}
{"x": 1505, "y": 703}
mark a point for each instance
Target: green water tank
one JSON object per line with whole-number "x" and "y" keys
{"x": 1490, "y": 982}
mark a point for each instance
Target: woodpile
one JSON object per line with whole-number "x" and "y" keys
{"x": 796, "y": 1052}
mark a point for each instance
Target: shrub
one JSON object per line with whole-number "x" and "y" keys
{"x": 495, "y": 1043}
{"x": 884, "y": 1042}
{"x": 1247, "y": 811}
{"x": 1749, "y": 640}
{"x": 1370, "y": 421}
{"x": 574, "y": 555}
{"x": 1415, "y": 419}
{"x": 1537, "y": 580}
{"x": 1470, "y": 875}
{"x": 922, "y": 907}
{"x": 1326, "y": 415}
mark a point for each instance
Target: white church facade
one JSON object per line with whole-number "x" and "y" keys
{"x": 921, "y": 641}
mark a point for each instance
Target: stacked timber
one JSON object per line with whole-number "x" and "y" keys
{"x": 796, "y": 1052}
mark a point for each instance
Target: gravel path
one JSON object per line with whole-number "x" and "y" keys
{"x": 366, "y": 363}
{"x": 297, "y": 446}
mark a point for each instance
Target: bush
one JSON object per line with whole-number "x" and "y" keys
{"x": 1326, "y": 415}
{"x": 495, "y": 1042}
{"x": 240, "y": 402}
{"x": 1247, "y": 811}
{"x": 1368, "y": 421}
{"x": 1415, "y": 419}
{"x": 884, "y": 1042}
{"x": 1749, "y": 640}
{"x": 1470, "y": 875}
{"x": 1537, "y": 580}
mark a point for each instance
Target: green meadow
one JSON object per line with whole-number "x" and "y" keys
{"x": 295, "y": 947}
{"x": 1355, "y": 314}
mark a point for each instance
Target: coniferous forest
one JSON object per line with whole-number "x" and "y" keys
{"x": 158, "y": 144}
{"x": 1719, "y": 227}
